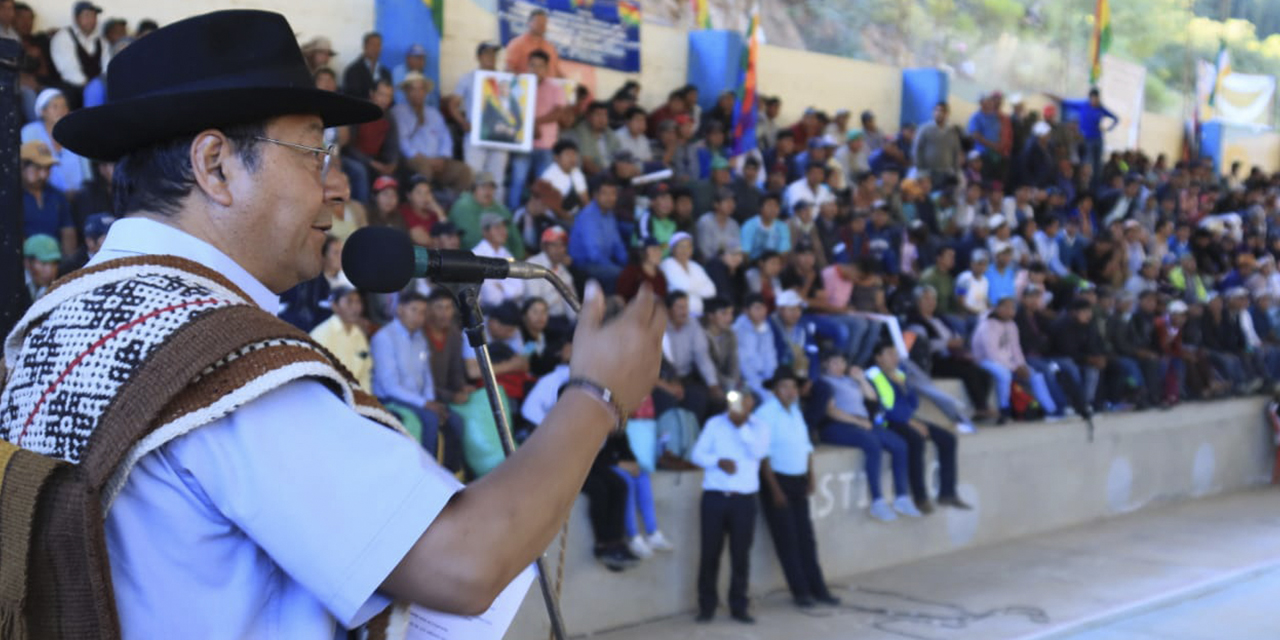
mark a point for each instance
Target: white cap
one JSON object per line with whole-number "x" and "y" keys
{"x": 43, "y": 99}
{"x": 1041, "y": 128}
{"x": 1177, "y": 306}
{"x": 995, "y": 222}
{"x": 789, "y": 298}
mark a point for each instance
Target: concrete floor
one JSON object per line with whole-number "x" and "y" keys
{"x": 1208, "y": 569}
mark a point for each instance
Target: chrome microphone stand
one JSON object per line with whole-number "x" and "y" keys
{"x": 468, "y": 298}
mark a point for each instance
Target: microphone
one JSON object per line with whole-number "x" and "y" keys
{"x": 384, "y": 260}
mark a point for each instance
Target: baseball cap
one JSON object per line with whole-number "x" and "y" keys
{"x": 855, "y": 134}
{"x": 85, "y": 6}
{"x": 789, "y": 298}
{"x": 416, "y": 50}
{"x": 385, "y": 182}
{"x": 1177, "y": 306}
{"x": 554, "y": 234}
{"x": 444, "y": 228}
{"x": 995, "y": 222}
{"x": 43, "y": 99}
{"x": 488, "y": 45}
{"x": 676, "y": 238}
{"x": 507, "y": 313}
{"x": 37, "y": 153}
{"x": 42, "y": 247}
{"x": 1041, "y": 129}
{"x": 96, "y": 225}
{"x": 490, "y": 219}
{"x": 484, "y": 177}
{"x": 719, "y": 162}
{"x": 624, "y": 156}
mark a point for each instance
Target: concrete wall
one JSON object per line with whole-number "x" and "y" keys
{"x": 1023, "y": 480}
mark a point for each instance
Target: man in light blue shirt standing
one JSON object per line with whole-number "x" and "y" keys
{"x": 787, "y": 475}
{"x": 402, "y": 379}
{"x": 730, "y": 449}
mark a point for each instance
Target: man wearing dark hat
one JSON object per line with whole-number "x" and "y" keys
{"x": 285, "y": 506}
{"x": 79, "y": 51}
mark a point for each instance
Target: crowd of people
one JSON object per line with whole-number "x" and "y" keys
{"x": 817, "y": 286}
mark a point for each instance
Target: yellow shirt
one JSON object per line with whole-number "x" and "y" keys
{"x": 350, "y": 346}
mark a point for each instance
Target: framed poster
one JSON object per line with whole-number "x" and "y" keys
{"x": 502, "y": 110}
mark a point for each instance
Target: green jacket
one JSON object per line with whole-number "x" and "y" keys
{"x": 945, "y": 285}
{"x": 465, "y": 214}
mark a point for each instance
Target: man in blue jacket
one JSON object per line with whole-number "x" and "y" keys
{"x": 900, "y": 404}
{"x": 594, "y": 243}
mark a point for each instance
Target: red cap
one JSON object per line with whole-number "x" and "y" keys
{"x": 385, "y": 182}
{"x": 554, "y": 234}
{"x": 1050, "y": 111}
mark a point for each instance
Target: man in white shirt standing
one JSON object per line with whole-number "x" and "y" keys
{"x": 730, "y": 449}
{"x": 494, "y": 245}
{"x": 79, "y": 52}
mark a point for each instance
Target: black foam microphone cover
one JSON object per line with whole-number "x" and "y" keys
{"x": 379, "y": 259}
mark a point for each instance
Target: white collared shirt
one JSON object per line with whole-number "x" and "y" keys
{"x": 746, "y": 446}
{"x": 789, "y": 444}
{"x": 495, "y": 292}
{"x": 279, "y": 520}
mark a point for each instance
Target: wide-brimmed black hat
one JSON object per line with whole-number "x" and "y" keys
{"x": 216, "y": 69}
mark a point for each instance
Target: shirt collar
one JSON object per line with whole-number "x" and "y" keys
{"x": 142, "y": 236}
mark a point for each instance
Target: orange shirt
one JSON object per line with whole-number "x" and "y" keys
{"x": 521, "y": 46}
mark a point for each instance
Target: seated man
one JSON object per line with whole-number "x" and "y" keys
{"x": 757, "y": 356}
{"x": 997, "y": 348}
{"x": 1076, "y": 348}
{"x": 342, "y": 335}
{"x": 40, "y": 259}
{"x": 594, "y": 242}
{"x": 838, "y": 404}
{"x": 900, "y": 404}
{"x": 493, "y": 244}
{"x": 425, "y": 140}
{"x": 402, "y": 376}
{"x": 562, "y": 186}
{"x": 483, "y": 199}
{"x": 506, "y": 349}
{"x": 45, "y": 211}
{"x": 694, "y": 381}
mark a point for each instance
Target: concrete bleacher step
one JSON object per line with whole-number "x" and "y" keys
{"x": 1022, "y": 479}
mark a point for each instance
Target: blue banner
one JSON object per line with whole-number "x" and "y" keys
{"x": 601, "y": 33}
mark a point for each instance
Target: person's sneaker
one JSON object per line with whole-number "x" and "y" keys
{"x": 906, "y": 507}
{"x": 954, "y": 502}
{"x": 924, "y": 506}
{"x": 829, "y": 600}
{"x": 659, "y": 542}
{"x": 880, "y": 510}
{"x": 639, "y": 547}
{"x": 626, "y": 555}
{"x": 610, "y": 559}
{"x": 965, "y": 427}
{"x": 705, "y": 616}
{"x": 804, "y": 602}
{"x": 743, "y": 617}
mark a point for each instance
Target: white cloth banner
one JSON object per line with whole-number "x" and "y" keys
{"x": 1246, "y": 99}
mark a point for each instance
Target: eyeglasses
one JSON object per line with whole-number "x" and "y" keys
{"x": 329, "y": 153}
